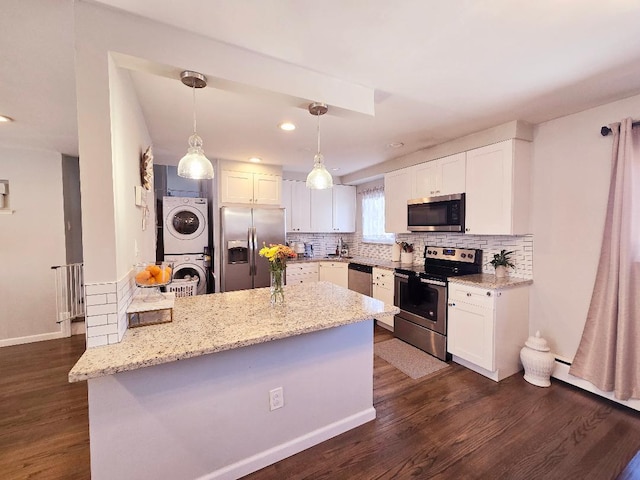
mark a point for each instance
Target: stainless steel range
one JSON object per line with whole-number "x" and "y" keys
{"x": 421, "y": 295}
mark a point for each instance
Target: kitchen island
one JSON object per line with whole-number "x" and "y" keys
{"x": 191, "y": 398}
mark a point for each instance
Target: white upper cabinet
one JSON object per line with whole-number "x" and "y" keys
{"x": 344, "y": 208}
{"x": 444, "y": 176}
{"x": 296, "y": 198}
{"x": 322, "y": 210}
{"x": 452, "y": 171}
{"x": 251, "y": 188}
{"x": 430, "y": 179}
{"x": 397, "y": 191}
{"x": 498, "y": 189}
{"x": 319, "y": 211}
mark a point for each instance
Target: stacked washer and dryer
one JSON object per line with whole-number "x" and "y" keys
{"x": 185, "y": 234}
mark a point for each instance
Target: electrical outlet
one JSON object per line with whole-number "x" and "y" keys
{"x": 276, "y": 398}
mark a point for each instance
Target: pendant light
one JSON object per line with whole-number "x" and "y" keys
{"x": 319, "y": 178}
{"x": 194, "y": 164}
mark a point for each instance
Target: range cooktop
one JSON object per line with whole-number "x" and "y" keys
{"x": 443, "y": 262}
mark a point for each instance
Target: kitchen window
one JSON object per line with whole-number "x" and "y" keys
{"x": 373, "y": 217}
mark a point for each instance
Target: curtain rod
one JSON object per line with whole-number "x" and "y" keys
{"x": 604, "y": 131}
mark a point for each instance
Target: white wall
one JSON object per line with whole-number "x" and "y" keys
{"x": 571, "y": 169}
{"x": 129, "y": 138}
{"x": 159, "y": 49}
{"x": 31, "y": 242}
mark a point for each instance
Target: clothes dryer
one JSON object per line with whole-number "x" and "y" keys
{"x": 190, "y": 267}
{"x": 185, "y": 227}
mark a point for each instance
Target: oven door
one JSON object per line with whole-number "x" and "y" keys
{"x": 422, "y": 301}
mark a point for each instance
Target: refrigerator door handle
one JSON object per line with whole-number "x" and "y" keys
{"x": 251, "y": 250}
{"x": 255, "y": 251}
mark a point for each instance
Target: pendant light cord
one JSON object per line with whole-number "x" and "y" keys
{"x": 318, "y": 134}
{"x": 193, "y": 87}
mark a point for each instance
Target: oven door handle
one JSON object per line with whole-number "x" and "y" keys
{"x": 433, "y": 282}
{"x": 402, "y": 275}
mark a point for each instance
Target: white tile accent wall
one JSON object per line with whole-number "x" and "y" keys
{"x": 324, "y": 243}
{"x": 107, "y": 303}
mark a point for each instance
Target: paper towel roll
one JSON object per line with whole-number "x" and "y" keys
{"x": 395, "y": 252}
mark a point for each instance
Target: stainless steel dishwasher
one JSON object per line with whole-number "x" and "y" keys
{"x": 361, "y": 278}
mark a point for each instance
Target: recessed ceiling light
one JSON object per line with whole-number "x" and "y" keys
{"x": 395, "y": 145}
{"x": 287, "y": 126}
{"x": 4, "y": 119}
{"x": 255, "y": 159}
{"x": 335, "y": 169}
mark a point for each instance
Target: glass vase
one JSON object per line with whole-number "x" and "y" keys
{"x": 277, "y": 287}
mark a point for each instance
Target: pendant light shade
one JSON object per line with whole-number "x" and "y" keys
{"x": 194, "y": 164}
{"x": 319, "y": 178}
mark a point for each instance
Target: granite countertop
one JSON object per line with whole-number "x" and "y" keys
{"x": 206, "y": 324}
{"x": 373, "y": 262}
{"x": 490, "y": 281}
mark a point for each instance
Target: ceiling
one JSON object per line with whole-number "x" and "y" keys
{"x": 440, "y": 70}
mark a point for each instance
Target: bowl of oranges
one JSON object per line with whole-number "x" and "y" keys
{"x": 153, "y": 275}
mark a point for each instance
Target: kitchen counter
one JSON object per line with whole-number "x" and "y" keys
{"x": 227, "y": 388}
{"x": 207, "y": 324}
{"x": 490, "y": 281}
{"x": 373, "y": 262}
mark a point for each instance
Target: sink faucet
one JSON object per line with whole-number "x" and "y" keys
{"x": 340, "y": 247}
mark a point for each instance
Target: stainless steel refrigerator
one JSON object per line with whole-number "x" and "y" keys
{"x": 244, "y": 231}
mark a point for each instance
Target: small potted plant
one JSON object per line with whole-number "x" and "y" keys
{"x": 501, "y": 261}
{"x": 406, "y": 253}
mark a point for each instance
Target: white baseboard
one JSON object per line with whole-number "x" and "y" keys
{"x": 561, "y": 372}
{"x": 30, "y": 339}
{"x": 78, "y": 328}
{"x": 280, "y": 452}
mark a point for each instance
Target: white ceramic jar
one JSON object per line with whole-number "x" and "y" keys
{"x": 537, "y": 360}
{"x": 406, "y": 258}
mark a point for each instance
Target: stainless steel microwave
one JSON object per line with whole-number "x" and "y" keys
{"x": 436, "y": 214}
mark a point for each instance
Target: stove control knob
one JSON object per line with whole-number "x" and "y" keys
{"x": 429, "y": 252}
{"x": 470, "y": 255}
{"x": 435, "y": 253}
{"x": 463, "y": 255}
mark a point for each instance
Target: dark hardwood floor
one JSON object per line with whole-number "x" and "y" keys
{"x": 44, "y": 424}
{"x": 454, "y": 424}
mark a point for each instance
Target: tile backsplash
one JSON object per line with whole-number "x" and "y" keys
{"x": 522, "y": 246}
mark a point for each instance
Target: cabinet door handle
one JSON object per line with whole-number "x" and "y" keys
{"x": 488, "y": 294}
{"x": 451, "y": 304}
{"x": 468, "y": 294}
{"x": 467, "y": 229}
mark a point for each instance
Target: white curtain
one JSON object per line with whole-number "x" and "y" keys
{"x": 373, "y": 217}
{"x": 609, "y": 351}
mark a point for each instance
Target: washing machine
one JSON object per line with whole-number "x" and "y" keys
{"x": 190, "y": 266}
{"x": 185, "y": 228}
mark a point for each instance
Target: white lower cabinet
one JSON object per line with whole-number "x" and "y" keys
{"x": 383, "y": 289}
{"x": 301, "y": 273}
{"x": 487, "y": 328}
{"x": 334, "y": 272}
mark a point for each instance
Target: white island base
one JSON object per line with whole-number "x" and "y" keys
{"x": 209, "y": 416}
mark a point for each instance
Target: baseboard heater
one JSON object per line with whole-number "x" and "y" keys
{"x": 561, "y": 372}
